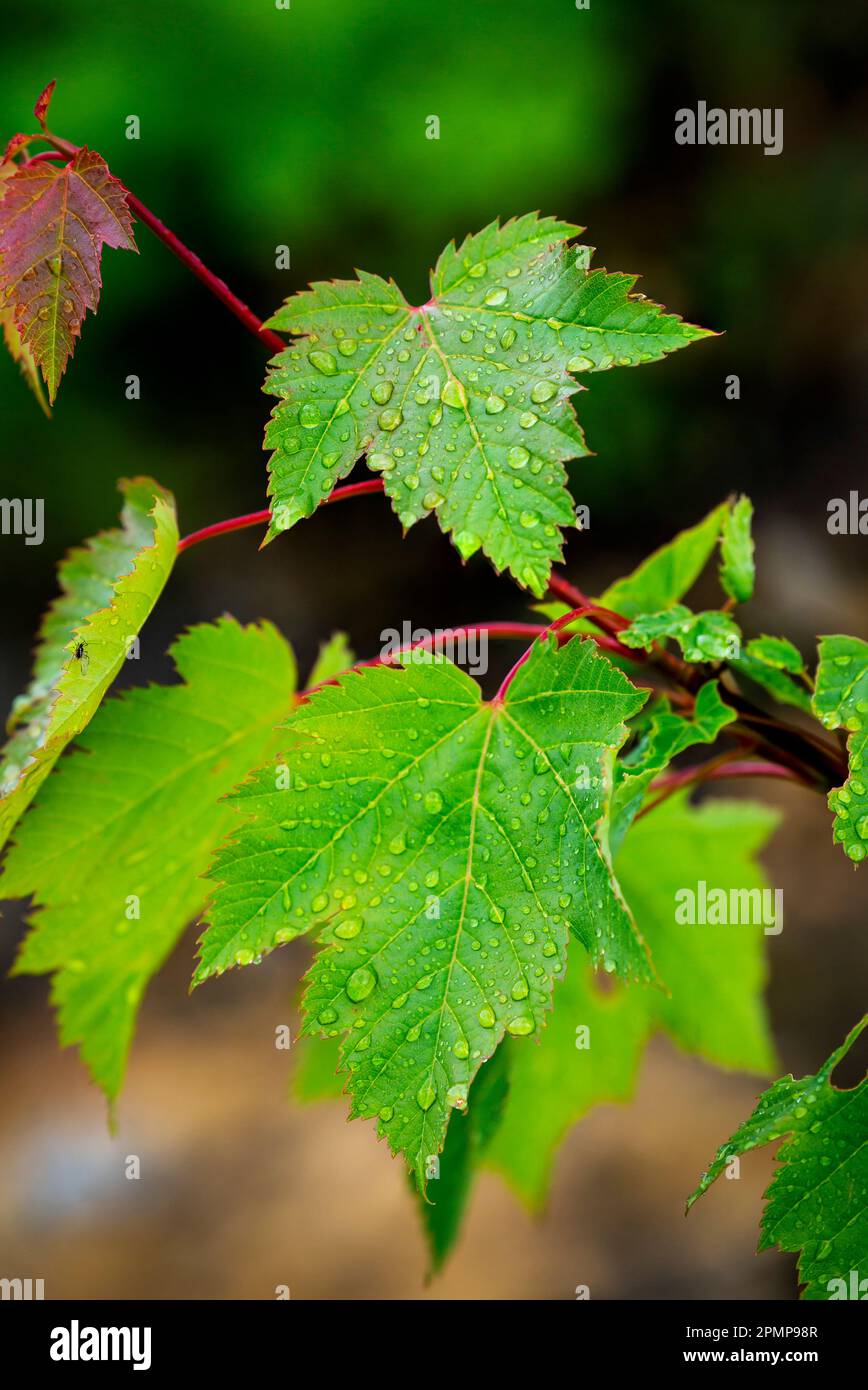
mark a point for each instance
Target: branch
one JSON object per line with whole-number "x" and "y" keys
{"x": 554, "y": 627}
{"x": 717, "y": 769}
{"x": 240, "y": 523}
{"x": 188, "y": 258}
{"x": 436, "y": 639}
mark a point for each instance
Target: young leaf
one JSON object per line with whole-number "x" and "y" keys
{"x": 463, "y": 403}
{"x": 710, "y": 636}
{"x": 441, "y": 1210}
{"x": 54, "y": 222}
{"x": 316, "y": 1077}
{"x": 841, "y": 702}
{"x": 772, "y": 663}
{"x": 668, "y": 574}
{"x": 335, "y": 656}
{"x": 108, "y": 588}
{"x": 315, "y": 1072}
{"x": 43, "y": 102}
{"x": 659, "y": 581}
{"x": 715, "y": 975}
{"x": 443, "y": 848}
{"x": 736, "y": 551}
{"x": 665, "y": 736}
{"x": 114, "y": 849}
{"x": 817, "y": 1202}
{"x": 778, "y": 652}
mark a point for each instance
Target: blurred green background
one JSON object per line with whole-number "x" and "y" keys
{"x": 305, "y": 127}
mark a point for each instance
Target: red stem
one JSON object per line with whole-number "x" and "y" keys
{"x": 732, "y": 768}
{"x": 213, "y": 282}
{"x": 611, "y": 622}
{"x": 718, "y": 769}
{"x": 435, "y": 639}
{"x": 189, "y": 258}
{"x": 240, "y": 523}
{"x": 552, "y": 627}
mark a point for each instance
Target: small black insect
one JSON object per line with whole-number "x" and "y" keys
{"x": 80, "y": 655}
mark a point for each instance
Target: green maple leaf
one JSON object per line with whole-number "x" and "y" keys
{"x": 108, "y": 588}
{"x": 817, "y": 1202}
{"x": 442, "y": 848}
{"x": 714, "y": 976}
{"x": 468, "y": 1138}
{"x": 841, "y": 702}
{"x": 777, "y": 666}
{"x": 129, "y": 824}
{"x": 709, "y": 636}
{"x": 316, "y": 1077}
{"x": 668, "y": 574}
{"x": 335, "y": 657}
{"x": 737, "y": 571}
{"x": 661, "y": 579}
{"x": 662, "y": 738}
{"x": 463, "y": 403}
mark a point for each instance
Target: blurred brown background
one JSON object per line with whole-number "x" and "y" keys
{"x": 306, "y": 127}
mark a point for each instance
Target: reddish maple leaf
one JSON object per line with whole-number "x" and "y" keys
{"x": 40, "y": 110}
{"x": 54, "y": 222}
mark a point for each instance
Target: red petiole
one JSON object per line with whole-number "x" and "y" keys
{"x": 240, "y": 523}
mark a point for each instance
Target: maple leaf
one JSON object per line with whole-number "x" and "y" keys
{"x": 114, "y": 849}
{"x": 708, "y": 636}
{"x": 442, "y": 848}
{"x": 468, "y": 1138}
{"x": 776, "y": 665}
{"x": 463, "y": 403}
{"x": 841, "y": 702}
{"x": 670, "y": 572}
{"x": 737, "y": 570}
{"x": 335, "y": 657}
{"x": 54, "y": 222}
{"x": 817, "y": 1202}
{"x": 18, "y": 351}
{"x": 714, "y": 978}
{"x": 660, "y": 580}
{"x": 43, "y": 102}
{"x": 108, "y": 588}
{"x": 714, "y": 1009}
{"x": 662, "y": 736}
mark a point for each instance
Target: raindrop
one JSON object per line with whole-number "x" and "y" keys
{"x": 543, "y": 391}
{"x": 382, "y": 392}
{"x": 361, "y": 983}
{"x": 426, "y": 1096}
{"x": 389, "y": 419}
{"x": 453, "y": 393}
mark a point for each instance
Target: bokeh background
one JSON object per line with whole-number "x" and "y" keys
{"x": 306, "y": 127}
